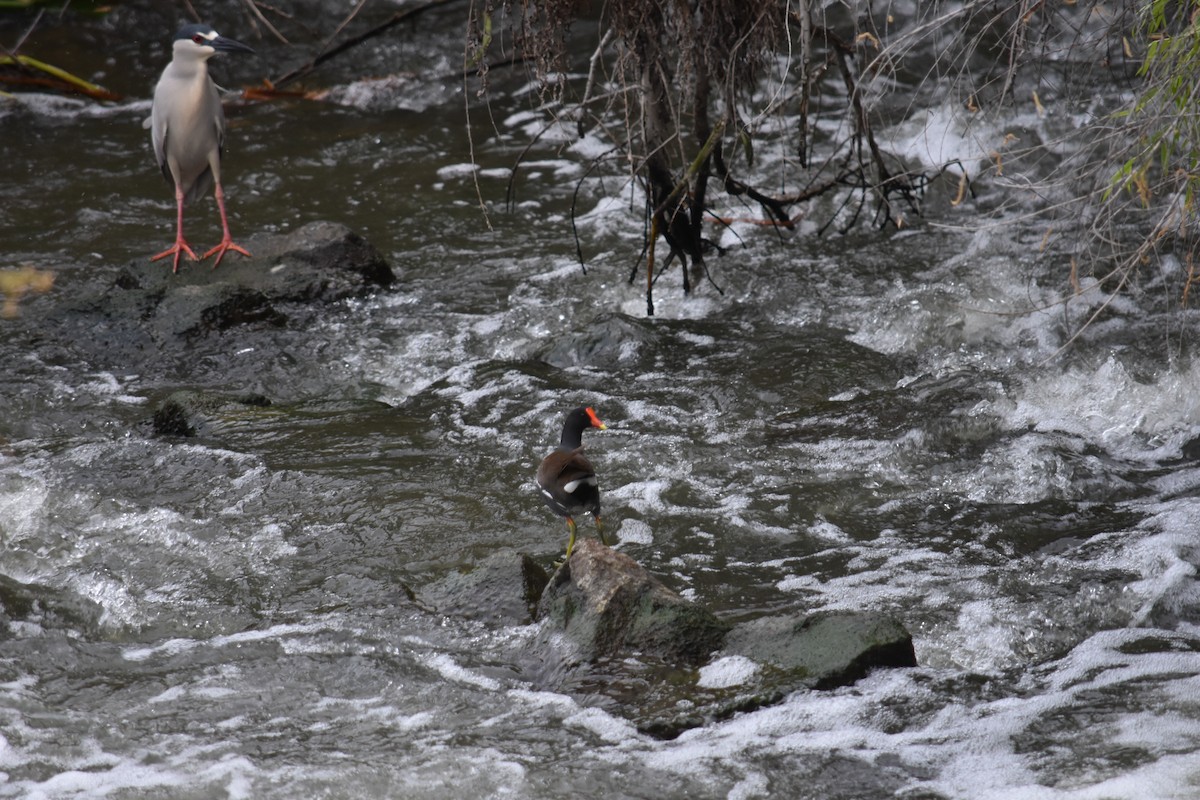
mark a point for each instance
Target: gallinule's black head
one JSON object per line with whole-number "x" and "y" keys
{"x": 567, "y": 479}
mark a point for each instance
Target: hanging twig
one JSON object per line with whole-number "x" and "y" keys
{"x": 252, "y": 7}
{"x": 574, "y": 205}
{"x": 650, "y": 266}
{"x": 510, "y": 188}
{"x": 16, "y": 48}
{"x": 355, "y": 41}
{"x": 593, "y": 68}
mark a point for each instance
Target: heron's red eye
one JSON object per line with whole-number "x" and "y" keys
{"x": 198, "y": 39}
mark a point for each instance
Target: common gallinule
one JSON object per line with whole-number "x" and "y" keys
{"x": 566, "y": 477}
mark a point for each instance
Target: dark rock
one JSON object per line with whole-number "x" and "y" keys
{"x": 146, "y": 306}
{"x": 503, "y": 588}
{"x": 215, "y": 307}
{"x": 320, "y": 262}
{"x": 607, "y": 604}
{"x": 611, "y": 608}
{"x": 824, "y": 650}
{"x": 323, "y": 261}
{"x": 143, "y": 318}
{"x": 188, "y": 413}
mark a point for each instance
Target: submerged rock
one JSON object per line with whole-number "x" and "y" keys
{"x": 44, "y": 606}
{"x": 189, "y": 413}
{"x": 823, "y": 650}
{"x": 601, "y": 344}
{"x": 503, "y": 588}
{"x": 213, "y": 307}
{"x": 766, "y": 659}
{"x": 608, "y": 604}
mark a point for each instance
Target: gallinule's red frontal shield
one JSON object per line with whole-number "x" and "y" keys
{"x": 568, "y": 480}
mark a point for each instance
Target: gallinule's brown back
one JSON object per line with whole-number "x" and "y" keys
{"x": 567, "y": 479}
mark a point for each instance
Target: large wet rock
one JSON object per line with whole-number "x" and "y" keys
{"x": 144, "y": 305}
{"x": 607, "y": 604}
{"x": 142, "y": 317}
{"x": 319, "y": 263}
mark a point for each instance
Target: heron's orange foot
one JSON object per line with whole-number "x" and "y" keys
{"x": 176, "y": 250}
{"x": 219, "y": 250}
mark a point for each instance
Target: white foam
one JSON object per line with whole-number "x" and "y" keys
{"x": 726, "y": 672}
{"x": 1136, "y": 419}
{"x": 521, "y": 118}
{"x": 944, "y": 134}
{"x": 449, "y": 669}
{"x": 61, "y": 106}
{"x": 754, "y": 785}
{"x": 22, "y": 509}
{"x": 453, "y": 171}
{"x": 176, "y": 646}
{"x": 1164, "y": 555}
{"x": 560, "y": 703}
{"x": 604, "y": 725}
{"x": 962, "y": 749}
{"x": 643, "y": 496}
{"x": 827, "y": 531}
{"x": 635, "y": 531}
{"x": 591, "y": 146}
{"x": 124, "y": 775}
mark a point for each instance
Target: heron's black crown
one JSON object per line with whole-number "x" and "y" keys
{"x": 191, "y": 31}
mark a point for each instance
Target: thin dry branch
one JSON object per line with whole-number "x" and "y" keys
{"x": 327, "y": 53}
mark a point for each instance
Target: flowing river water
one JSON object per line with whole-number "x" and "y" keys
{"x": 874, "y": 422}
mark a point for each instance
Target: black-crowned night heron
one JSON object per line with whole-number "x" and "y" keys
{"x": 187, "y": 126}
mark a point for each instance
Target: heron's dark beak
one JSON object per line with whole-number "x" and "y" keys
{"x": 223, "y": 44}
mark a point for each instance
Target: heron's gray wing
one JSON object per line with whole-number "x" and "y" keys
{"x": 158, "y": 136}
